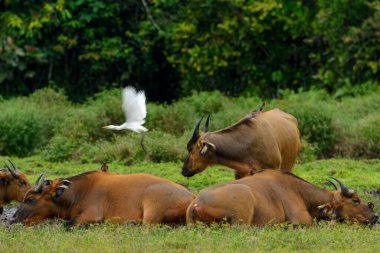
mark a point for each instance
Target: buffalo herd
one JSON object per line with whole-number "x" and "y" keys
{"x": 261, "y": 148}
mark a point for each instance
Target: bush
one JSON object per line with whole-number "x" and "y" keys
{"x": 62, "y": 130}
{"x": 368, "y": 128}
{"x": 164, "y": 147}
{"x": 21, "y": 130}
{"x": 60, "y": 149}
{"x": 314, "y": 112}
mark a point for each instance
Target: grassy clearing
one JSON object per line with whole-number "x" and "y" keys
{"x": 50, "y": 236}
{"x": 324, "y": 237}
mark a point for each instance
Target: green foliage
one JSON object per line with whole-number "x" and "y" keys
{"x": 237, "y": 47}
{"x": 369, "y": 129}
{"x": 313, "y": 111}
{"x": 164, "y": 147}
{"x": 27, "y": 124}
{"x": 183, "y": 114}
{"x": 59, "y": 149}
{"x": 20, "y": 130}
{"x": 46, "y": 121}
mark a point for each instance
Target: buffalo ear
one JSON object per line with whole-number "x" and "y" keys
{"x": 63, "y": 185}
{"x": 325, "y": 208}
{"x": 206, "y": 147}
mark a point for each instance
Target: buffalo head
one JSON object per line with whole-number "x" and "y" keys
{"x": 13, "y": 185}
{"x": 347, "y": 205}
{"x": 201, "y": 152}
{"x": 43, "y": 201}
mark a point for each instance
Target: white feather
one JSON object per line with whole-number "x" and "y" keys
{"x": 134, "y": 108}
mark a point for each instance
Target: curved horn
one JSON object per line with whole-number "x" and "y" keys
{"x": 336, "y": 187}
{"x": 12, "y": 171}
{"x": 205, "y": 129}
{"x": 196, "y": 130}
{"x": 38, "y": 179}
{"x": 15, "y": 169}
{"x": 347, "y": 192}
{"x": 42, "y": 182}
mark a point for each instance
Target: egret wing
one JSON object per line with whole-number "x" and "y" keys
{"x": 134, "y": 106}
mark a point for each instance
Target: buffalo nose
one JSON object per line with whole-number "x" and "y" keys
{"x": 187, "y": 173}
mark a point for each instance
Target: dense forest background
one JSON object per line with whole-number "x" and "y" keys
{"x": 171, "y": 48}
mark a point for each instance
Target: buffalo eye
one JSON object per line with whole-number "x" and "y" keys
{"x": 371, "y": 205}
{"x": 29, "y": 200}
{"x": 22, "y": 183}
{"x": 4, "y": 181}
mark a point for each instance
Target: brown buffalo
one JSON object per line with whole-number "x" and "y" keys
{"x": 272, "y": 197}
{"x": 261, "y": 140}
{"x": 13, "y": 185}
{"x": 97, "y": 196}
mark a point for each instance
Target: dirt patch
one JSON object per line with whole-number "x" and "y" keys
{"x": 7, "y": 215}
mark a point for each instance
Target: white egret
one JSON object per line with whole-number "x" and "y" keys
{"x": 134, "y": 108}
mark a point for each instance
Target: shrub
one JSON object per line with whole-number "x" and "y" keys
{"x": 164, "y": 147}
{"x": 123, "y": 147}
{"x": 368, "y": 128}
{"x": 314, "y": 112}
{"x": 22, "y": 129}
{"x": 60, "y": 149}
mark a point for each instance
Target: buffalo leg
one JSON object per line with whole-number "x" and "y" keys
{"x": 301, "y": 218}
{"x": 163, "y": 203}
{"x": 90, "y": 215}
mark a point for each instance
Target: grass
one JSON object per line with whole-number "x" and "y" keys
{"x": 50, "y": 236}
{"x": 324, "y": 237}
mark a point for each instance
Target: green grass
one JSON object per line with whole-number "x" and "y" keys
{"x": 324, "y": 237}
{"x": 51, "y": 236}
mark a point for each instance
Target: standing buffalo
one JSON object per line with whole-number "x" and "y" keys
{"x": 97, "y": 196}
{"x": 272, "y": 196}
{"x": 261, "y": 140}
{"x": 13, "y": 185}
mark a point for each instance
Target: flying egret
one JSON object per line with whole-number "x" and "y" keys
{"x": 134, "y": 108}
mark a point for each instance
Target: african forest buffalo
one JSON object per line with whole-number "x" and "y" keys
{"x": 13, "y": 185}
{"x": 272, "y": 196}
{"x": 261, "y": 140}
{"x": 97, "y": 196}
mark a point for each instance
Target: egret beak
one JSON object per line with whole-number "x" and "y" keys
{"x": 104, "y": 126}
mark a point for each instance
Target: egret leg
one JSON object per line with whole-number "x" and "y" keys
{"x": 142, "y": 142}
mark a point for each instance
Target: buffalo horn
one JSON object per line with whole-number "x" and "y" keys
{"x": 13, "y": 171}
{"x": 38, "y": 179}
{"x": 42, "y": 182}
{"x": 347, "y": 192}
{"x": 331, "y": 182}
{"x": 205, "y": 129}
{"x": 196, "y": 130}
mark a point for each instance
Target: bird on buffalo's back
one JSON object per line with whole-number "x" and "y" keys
{"x": 134, "y": 108}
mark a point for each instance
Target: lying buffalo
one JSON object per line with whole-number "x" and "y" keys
{"x": 13, "y": 185}
{"x": 261, "y": 140}
{"x": 274, "y": 197}
{"x": 97, "y": 196}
